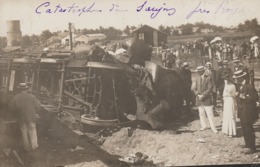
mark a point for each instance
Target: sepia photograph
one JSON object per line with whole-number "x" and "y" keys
{"x": 129, "y": 83}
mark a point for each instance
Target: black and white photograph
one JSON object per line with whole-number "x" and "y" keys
{"x": 129, "y": 83}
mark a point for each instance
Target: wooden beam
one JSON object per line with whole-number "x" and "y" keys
{"x": 79, "y": 79}
{"x": 77, "y": 99}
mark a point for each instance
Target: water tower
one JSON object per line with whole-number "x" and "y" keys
{"x": 14, "y": 34}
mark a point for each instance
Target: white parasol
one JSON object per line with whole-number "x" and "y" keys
{"x": 252, "y": 39}
{"x": 217, "y": 39}
{"x": 213, "y": 41}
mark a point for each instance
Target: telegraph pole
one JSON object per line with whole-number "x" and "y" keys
{"x": 71, "y": 47}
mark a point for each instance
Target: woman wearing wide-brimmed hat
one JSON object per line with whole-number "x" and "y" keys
{"x": 229, "y": 108}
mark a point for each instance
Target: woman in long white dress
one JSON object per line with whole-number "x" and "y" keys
{"x": 229, "y": 109}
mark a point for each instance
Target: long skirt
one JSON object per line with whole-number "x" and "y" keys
{"x": 229, "y": 116}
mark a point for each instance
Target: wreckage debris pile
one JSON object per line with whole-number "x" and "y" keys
{"x": 166, "y": 148}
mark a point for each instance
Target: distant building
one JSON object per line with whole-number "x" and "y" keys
{"x": 206, "y": 31}
{"x": 195, "y": 29}
{"x": 82, "y": 38}
{"x": 89, "y": 37}
{"x": 66, "y": 40}
{"x": 179, "y": 31}
{"x": 150, "y": 35}
{"x": 174, "y": 30}
{"x": 57, "y": 38}
{"x": 123, "y": 34}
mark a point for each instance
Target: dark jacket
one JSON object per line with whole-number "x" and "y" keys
{"x": 185, "y": 75}
{"x": 26, "y": 106}
{"x": 247, "y": 110}
{"x": 219, "y": 81}
{"x": 204, "y": 88}
{"x": 213, "y": 74}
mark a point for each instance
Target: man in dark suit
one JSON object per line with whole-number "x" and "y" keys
{"x": 185, "y": 75}
{"x": 220, "y": 81}
{"x": 203, "y": 90}
{"x": 212, "y": 73}
{"x": 247, "y": 111}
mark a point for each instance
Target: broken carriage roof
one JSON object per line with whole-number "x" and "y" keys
{"x": 59, "y": 54}
{"x": 77, "y": 63}
{"x": 28, "y": 60}
{"x": 12, "y": 48}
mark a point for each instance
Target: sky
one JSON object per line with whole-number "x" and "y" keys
{"x": 38, "y": 15}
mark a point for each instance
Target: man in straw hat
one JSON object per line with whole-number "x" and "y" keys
{"x": 247, "y": 111}
{"x": 203, "y": 90}
{"x": 25, "y": 105}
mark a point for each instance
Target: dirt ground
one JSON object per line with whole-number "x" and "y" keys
{"x": 58, "y": 146}
{"x": 183, "y": 144}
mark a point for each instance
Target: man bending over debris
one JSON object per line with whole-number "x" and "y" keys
{"x": 25, "y": 105}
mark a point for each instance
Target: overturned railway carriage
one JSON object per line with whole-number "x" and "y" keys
{"x": 99, "y": 88}
{"x": 12, "y": 72}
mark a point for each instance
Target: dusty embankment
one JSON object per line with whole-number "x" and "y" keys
{"x": 186, "y": 146}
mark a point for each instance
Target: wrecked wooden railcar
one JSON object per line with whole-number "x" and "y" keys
{"x": 100, "y": 89}
{"x": 12, "y": 72}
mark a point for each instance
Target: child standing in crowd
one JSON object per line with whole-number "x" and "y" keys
{"x": 229, "y": 108}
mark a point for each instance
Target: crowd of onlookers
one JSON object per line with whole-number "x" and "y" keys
{"x": 238, "y": 95}
{"x": 228, "y": 75}
{"x": 216, "y": 49}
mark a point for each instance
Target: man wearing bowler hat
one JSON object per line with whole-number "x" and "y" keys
{"x": 203, "y": 90}
{"x": 247, "y": 111}
{"x": 26, "y": 106}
